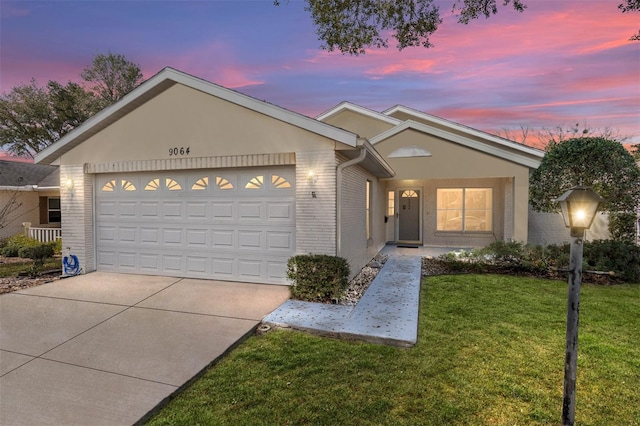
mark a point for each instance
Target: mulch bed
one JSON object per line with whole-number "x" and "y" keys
{"x": 9, "y": 284}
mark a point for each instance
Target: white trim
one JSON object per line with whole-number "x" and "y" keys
{"x": 348, "y": 106}
{"x": 19, "y": 188}
{"x": 165, "y": 79}
{"x": 461, "y": 140}
{"x": 465, "y": 129}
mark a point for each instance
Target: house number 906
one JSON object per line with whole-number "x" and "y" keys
{"x": 179, "y": 151}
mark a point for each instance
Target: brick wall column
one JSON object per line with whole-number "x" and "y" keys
{"x": 77, "y": 214}
{"x": 316, "y": 217}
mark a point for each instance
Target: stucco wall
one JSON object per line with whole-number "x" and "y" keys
{"x": 28, "y": 211}
{"x": 362, "y": 125}
{"x": 182, "y": 117}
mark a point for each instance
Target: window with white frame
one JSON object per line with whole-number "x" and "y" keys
{"x": 368, "y": 209}
{"x": 465, "y": 209}
{"x": 53, "y": 210}
{"x": 391, "y": 203}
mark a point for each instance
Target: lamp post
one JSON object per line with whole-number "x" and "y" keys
{"x": 579, "y": 206}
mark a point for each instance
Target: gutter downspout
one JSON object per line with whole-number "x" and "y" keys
{"x": 339, "y": 169}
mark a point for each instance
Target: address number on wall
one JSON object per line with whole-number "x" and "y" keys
{"x": 176, "y": 151}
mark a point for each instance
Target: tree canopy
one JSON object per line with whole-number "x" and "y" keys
{"x": 602, "y": 164}
{"x": 352, "y": 26}
{"x": 34, "y": 117}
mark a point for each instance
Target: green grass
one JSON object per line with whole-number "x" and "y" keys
{"x": 490, "y": 352}
{"x": 15, "y": 269}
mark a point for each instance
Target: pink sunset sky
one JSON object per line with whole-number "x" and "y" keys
{"x": 557, "y": 64}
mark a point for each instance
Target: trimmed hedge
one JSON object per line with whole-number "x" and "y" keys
{"x": 318, "y": 277}
{"x": 39, "y": 252}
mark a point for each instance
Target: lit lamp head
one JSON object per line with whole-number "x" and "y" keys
{"x": 579, "y": 206}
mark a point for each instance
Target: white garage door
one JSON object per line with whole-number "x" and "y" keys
{"x": 228, "y": 224}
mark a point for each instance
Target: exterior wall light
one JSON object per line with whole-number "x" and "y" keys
{"x": 68, "y": 184}
{"x": 579, "y": 206}
{"x": 312, "y": 176}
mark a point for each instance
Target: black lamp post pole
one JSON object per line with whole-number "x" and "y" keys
{"x": 573, "y": 312}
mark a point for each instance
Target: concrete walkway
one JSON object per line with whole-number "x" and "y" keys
{"x": 387, "y": 313}
{"x": 105, "y": 348}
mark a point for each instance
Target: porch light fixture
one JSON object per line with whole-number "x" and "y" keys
{"x": 68, "y": 184}
{"x": 312, "y": 176}
{"x": 579, "y": 206}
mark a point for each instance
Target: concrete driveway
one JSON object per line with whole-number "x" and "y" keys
{"x": 106, "y": 348}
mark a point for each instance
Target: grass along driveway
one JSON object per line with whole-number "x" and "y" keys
{"x": 490, "y": 351}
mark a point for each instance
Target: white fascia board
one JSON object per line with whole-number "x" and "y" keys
{"x": 128, "y": 103}
{"x": 348, "y": 106}
{"x": 465, "y": 129}
{"x": 461, "y": 140}
{"x": 24, "y": 188}
{"x": 375, "y": 155}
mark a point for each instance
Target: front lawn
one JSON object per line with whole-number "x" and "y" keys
{"x": 490, "y": 351}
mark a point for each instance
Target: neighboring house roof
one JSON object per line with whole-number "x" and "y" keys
{"x": 19, "y": 175}
{"x": 165, "y": 79}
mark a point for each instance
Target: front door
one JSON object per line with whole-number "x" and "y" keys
{"x": 409, "y": 215}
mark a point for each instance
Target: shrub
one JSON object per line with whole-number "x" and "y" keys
{"x": 518, "y": 258}
{"x": 15, "y": 243}
{"x": 318, "y": 277}
{"x": 622, "y": 258}
{"x": 39, "y": 252}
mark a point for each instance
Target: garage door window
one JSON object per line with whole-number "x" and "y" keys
{"x": 153, "y": 185}
{"x": 200, "y": 184}
{"x": 279, "y": 182}
{"x": 111, "y": 185}
{"x": 172, "y": 185}
{"x": 255, "y": 183}
{"x": 223, "y": 183}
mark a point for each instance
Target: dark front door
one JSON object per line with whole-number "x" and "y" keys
{"x": 409, "y": 215}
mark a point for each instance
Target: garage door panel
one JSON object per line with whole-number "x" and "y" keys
{"x": 149, "y": 210}
{"x": 150, "y": 236}
{"x": 251, "y": 211}
{"x": 197, "y": 210}
{"x": 127, "y": 235}
{"x": 172, "y": 263}
{"x": 172, "y": 210}
{"x": 149, "y": 262}
{"x": 127, "y": 209}
{"x": 280, "y": 241}
{"x": 202, "y": 224}
{"x": 197, "y": 238}
{"x": 127, "y": 260}
{"x": 223, "y": 239}
{"x": 172, "y": 236}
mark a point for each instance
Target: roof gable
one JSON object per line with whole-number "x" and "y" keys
{"x": 529, "y": 158}
{"x": 166, "y": 79}
{"x": 432, "y": 121}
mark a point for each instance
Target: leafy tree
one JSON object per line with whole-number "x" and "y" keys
{"x": 352, "y": 26}
{"x": 631, "y": 6}
{"x": 603, "y": 164}
{"x": 27, "y": 120}
{"x": 112, "y": 76}
{"x": 33, "y": 117}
